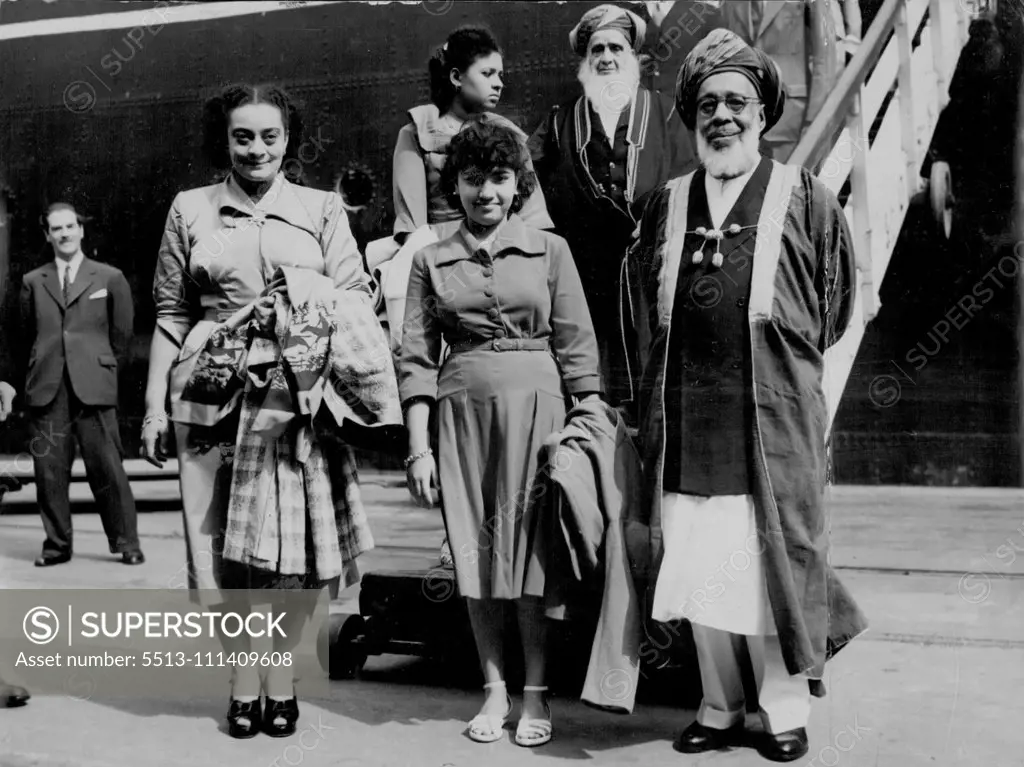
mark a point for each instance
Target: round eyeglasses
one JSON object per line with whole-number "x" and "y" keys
{"x": 708, "y": 105}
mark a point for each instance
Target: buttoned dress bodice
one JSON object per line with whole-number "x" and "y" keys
{"x": 515, "y": 317}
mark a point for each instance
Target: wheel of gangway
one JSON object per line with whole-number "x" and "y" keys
{"x": 940, "y": 194}
{"x": 339, "y": 655}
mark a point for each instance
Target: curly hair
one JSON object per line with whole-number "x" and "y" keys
{"x": 217, "y": 114}
{"x": 485, "y": 143}
{"x": 464, "y": 46}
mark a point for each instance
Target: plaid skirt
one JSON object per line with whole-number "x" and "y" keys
{"x": 206, "y": 457}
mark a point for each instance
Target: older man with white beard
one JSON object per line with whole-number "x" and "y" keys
{"x": 742, "y": 276}
{"x": 598, "y": 156}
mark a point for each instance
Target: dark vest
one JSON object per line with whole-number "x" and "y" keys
{"x": 708, "y": 397}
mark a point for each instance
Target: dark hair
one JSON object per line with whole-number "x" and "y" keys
{"x": 464, "y": 46}
{"x": 217, "y": 114}
{"x": 487, "y": 142}
{"x": 44, "y": 220}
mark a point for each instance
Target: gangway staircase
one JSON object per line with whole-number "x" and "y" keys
{"x": 899, "y": 77}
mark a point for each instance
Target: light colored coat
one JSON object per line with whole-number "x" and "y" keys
{"x": 595, "y": 467}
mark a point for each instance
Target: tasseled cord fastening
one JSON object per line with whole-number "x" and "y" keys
{"x": 716, "y": 236}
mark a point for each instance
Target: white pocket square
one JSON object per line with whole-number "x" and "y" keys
{"x": 101, "y": 293}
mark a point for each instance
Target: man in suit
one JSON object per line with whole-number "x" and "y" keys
{"x": 10, "y": 694}
{"x": 803, "y": 38}
{"x": 77, "y": 318}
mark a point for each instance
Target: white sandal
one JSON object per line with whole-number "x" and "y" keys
{"x": 534, "y": 732}
{"x": 484, "y": 728}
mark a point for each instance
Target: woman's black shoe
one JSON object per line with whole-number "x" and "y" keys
{"x": 280, "y": 717}
{"x": 244, "y": 719}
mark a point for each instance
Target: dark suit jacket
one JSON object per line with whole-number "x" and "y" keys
{"x": 801, "y": 37}
{"x": 87, "y": 336}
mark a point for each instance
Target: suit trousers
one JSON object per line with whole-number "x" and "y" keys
{"x": 54, "y": 428}
{"x": 784, "y": 700}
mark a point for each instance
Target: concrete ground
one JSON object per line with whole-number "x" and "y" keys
{"x": 937, "y": 681}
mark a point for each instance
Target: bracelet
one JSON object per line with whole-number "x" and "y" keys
{"x": 416, "y": 456}
{"x": 160, "y": 418}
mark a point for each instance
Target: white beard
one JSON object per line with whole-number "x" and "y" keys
{"x": 732, "y": 161}
{"x": 610, "y": 94}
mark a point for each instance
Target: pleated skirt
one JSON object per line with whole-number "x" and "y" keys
{"x": 494, "y": 411}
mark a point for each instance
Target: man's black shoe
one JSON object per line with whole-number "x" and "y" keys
{"x": 11, "y": 695}
{"x": 696, "y": 739}
{"x": 133, "y": 558}
{"x": 784, "y": 747}
{"x": 52, "y": 559}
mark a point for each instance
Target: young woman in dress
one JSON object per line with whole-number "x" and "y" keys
{"x": 508, "y": 301}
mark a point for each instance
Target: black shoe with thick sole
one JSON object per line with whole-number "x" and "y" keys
{"x": 785, "y": 747}
{"x": 697, "y": 739}
{"x": 48, "y": 560}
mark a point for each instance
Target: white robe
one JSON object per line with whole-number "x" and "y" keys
{"x": 712, "y": 571}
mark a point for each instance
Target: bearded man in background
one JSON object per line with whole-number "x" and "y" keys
{"x": 598, "y": 156}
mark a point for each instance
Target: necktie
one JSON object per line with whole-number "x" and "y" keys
{"x": 67, "y": 282}
{"x": 756, "y": 14}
